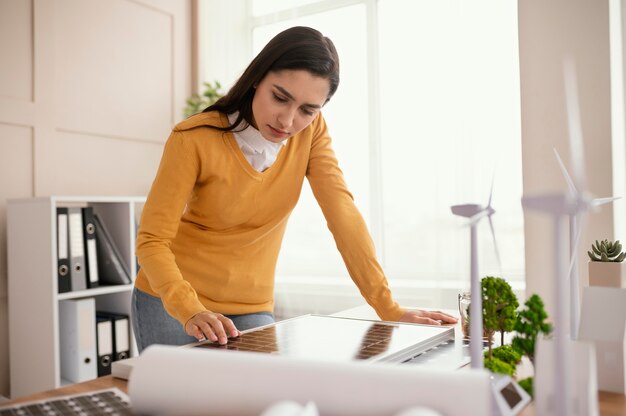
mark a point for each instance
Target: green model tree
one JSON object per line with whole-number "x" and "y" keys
{"x": 504, "y": 360}
{"x": 530, "y": 322}
{"x": 499, "y": 308}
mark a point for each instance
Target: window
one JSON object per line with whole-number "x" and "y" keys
{"x": 450, "y": 120}
{"x": 427, "y": 109}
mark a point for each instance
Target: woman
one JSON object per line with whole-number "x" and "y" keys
{"x": 229, "y": 177}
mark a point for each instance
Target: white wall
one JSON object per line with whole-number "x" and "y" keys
{"x": 549, "y": 31}
{"x": 88, "y": 93}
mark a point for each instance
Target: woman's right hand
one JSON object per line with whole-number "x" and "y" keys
{"x": 212, "y": 326}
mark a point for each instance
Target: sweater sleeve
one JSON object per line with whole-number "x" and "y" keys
{"x": 166, "y": 201}
{"x": 347, "y": 225}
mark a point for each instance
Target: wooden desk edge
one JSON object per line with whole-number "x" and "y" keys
{"x": 100, "y": 383}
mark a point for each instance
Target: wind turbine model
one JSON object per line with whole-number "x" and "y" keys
{"x": 585, "y": 202}
{"x": 558, "y": 206}
{"x": 475, "y": 213}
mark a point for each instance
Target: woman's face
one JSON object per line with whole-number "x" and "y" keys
{"x": 286, "y": 102}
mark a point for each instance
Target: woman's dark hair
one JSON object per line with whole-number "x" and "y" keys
{"x": 296, "y": 48}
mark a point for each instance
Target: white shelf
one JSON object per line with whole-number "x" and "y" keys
{"x": 88, "y": 293}
{"x": 33, "y": 288}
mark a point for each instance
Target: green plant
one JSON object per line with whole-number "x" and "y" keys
{"x": 504, "y": 360}
{"x": 530, "y": 322}
{"x": 498, "y": 366}
{"x": 527, "y": 384}
{"x": 499, "y": 306}
{"x": 197, "y": 103}
{"x": 507, "y": 354}
{"x": 606, "y": 250}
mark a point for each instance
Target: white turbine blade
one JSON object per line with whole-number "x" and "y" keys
{"x": 553, "y": 203}
{"x": 493, "y": 179}
{"x": 601, "y": 201}
{"x": 568, "y": 179}
{"x": 495, "y": 246}
{"x": 574, "y": 124}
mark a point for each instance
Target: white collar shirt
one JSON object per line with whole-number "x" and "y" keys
{"x": 258, "y": 151}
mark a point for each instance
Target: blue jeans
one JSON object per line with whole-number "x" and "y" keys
{"x": 153, "y": 325}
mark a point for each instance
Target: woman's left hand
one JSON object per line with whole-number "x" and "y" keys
{"x": 427, "y": 317}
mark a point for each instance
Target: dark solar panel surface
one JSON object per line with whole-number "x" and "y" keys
{"x": 110, "y": 402}
{"x": 336, "y": 339}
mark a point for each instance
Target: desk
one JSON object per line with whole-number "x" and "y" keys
{"x": 610, "y": 404}
{"x": 100, "y": 383}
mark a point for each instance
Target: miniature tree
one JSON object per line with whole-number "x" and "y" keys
{"x": 499, "y": 308}
{"x": 504, "y": 360}
{"x": 530, "y": 322}
{"x": 507, "y": 354}
{"x": 527, "y": 384}
{"x": 498, "y": 366}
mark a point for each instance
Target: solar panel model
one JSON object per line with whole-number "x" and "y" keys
{"x": 333, "y": 338}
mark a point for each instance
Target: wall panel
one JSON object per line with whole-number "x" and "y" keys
{"x": 113, "y": 68}
{"x": 98, "y": 165}
{"x": 16, "y": 49}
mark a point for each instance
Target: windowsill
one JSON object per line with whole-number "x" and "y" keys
{"x": 297, "y": 295}
{"x": 345, "y": 282}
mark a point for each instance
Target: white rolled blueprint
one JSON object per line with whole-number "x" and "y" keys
{"x": 186, "y": 381}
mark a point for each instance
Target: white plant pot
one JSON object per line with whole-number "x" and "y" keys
{"x": 603, "y": 322}
{"x": 608, "y": 274}
{"x": 582, "y": 395}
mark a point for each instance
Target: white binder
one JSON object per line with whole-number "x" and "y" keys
{"x": 122, "y": 344}
{"x": 77, "y": 249}
{"x": 77, "y": 336}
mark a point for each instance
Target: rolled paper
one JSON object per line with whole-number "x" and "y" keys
{"x": 186, "y": 381}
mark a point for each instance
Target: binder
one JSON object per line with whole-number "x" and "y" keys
{"x": 111, "y": 269}
{"x": 104, "y": 335}
{"x": 64, "y": 279}
{"x": 77, "y": 249}
{"x": 91, "y": 254}
{"x": 121, "y": 334}
{"x": 77, "y": 339}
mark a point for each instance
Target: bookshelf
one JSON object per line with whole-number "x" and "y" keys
{"x": 33, "y": 289}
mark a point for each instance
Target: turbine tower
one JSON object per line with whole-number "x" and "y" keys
{"x": 475, "y": 213}
{"x": 577, "y": 222}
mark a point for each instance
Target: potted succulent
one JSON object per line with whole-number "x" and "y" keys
{"x": 607, "y": 267}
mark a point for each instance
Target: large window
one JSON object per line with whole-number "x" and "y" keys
{"x": 426, "y": 111}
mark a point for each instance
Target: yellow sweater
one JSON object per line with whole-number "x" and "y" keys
{"x": 212, "y": 226}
